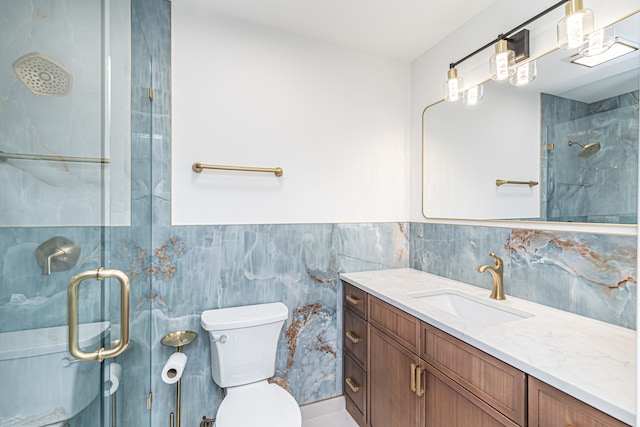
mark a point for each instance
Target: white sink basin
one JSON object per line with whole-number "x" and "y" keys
{"x": 470, "y": 307}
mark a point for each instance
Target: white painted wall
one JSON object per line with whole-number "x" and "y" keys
{"x": 429, "y": 71}
{"x": 335, "y": 120}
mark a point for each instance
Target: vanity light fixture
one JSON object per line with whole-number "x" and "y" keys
{"x": 597, "y": 42}
{"x": 502, "y": 63}
{"x": 524, "y": 74}
{"x": 474, "y": 95}
{"x": 511, "y": 48}
{"x": 619, "y": 48}
{"x": 453, "y": 86}
{"x": 576, "y": 24}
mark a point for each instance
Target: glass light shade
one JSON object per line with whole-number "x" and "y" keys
{"x": 453, "y": 86}
{"x": 524, "y": 74}
{"x": 501, "y": 64}
{"x": 473, "y": 95}
{"x": 574, "y": 27}
{"x": 597, "y": 42}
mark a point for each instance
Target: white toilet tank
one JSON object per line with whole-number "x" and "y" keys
{"x": 42, "y": 382}
{"x": 243, "y": 342}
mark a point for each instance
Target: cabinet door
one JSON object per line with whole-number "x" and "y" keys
{"x": 449, "y": 404}
{"x": 391, "y": 401}
{"x": 549, "y": 406}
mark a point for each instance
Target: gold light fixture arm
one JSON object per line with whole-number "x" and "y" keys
{"x": 500, "y": 182}
{"x": 198, "y": 167}
{"x": 72, "y": 307}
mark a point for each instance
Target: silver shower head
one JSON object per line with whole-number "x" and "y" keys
{"x": 587, "y": 150}
{"x": 43, "y": 75}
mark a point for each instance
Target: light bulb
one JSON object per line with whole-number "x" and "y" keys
{"x": 598, "y": 42}
{"x": 501, "y": 64}
{"x": 524, "y": 74}
{"x": 453, "y": 86}
{"x": 573, "y": 28}
{"x": 474, "y": 95}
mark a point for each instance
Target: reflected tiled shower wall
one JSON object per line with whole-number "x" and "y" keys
{"x": 602, "y": 187}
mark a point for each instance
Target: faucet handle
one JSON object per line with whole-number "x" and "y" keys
{"x": 497, "y": 261}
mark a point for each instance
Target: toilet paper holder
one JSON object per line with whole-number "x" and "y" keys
{"x": 178, "y": 340}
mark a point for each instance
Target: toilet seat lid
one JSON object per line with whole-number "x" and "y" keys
{"x": 259, "y": 404}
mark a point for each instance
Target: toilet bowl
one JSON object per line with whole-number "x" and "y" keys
{"x": 243, "y": 342}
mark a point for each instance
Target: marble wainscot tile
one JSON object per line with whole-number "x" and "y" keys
{"x": 593, "y": 275}
{"x": 377, "y": 246}
{"x": 196, "y": 268}
{"x": 589, "y": 274}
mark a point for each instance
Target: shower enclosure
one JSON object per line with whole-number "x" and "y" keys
{"x": 75, "y": 214}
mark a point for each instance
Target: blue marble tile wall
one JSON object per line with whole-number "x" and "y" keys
{"x": 602, "y": 187}
{"x": 594, "y": 275}
{"x": 205, "y": 267}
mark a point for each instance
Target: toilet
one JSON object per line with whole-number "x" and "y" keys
{"x": 243, "y": 344}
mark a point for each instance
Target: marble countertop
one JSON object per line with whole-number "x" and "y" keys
{"x": 586, "y": 358}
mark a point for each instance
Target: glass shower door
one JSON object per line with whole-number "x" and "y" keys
{"x": 74, "y": 117}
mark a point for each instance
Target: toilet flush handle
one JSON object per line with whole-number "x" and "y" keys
{"x": 221, "y": 339}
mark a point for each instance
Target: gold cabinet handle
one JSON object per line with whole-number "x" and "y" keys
{"x": 419, "y": 389}
{"x": 413, "y": 377}
{"x": 353, "y": 337}
{"x": 72, "y": 314}
{"x": 353, "y": 300}
{"x": 352, "y": 384}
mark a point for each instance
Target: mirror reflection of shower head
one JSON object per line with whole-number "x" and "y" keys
{"x": 43, "y": 75}
{"x": 587, "y": 150}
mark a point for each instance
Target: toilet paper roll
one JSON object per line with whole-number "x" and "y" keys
{"x": 172, "y": 370}
{"x": 112, "y": 377}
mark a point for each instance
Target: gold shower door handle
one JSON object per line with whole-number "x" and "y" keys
{"x": 72, "y": 312}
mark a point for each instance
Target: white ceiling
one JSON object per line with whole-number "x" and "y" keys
{"x": 402, "y": 29}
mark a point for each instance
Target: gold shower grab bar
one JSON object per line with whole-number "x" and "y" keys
{"x": 5, "y": 156}
{"x": 198, "y": 167}
{"x": 500, "y": 182}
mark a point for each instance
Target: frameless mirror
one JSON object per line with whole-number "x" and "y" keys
{"x": 567, "y": 144}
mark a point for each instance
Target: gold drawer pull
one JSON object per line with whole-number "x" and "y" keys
{"x": 419, "y": 389}
{"x": 413, "y": 377}
{"x": 353, "y": 300}
{"x": 353, "y": 337}
{"x": 352, "y": 384}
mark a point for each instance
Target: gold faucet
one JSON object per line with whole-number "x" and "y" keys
{"x": 496, "y": 273}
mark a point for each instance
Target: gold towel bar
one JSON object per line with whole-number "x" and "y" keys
{"x": 198, "y": 167}
{"x": 500, "y": 182}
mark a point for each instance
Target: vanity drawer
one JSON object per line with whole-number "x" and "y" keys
{"x": 549, "y": 406}
{"x": 402, "y": 327}
{"x": 500, "y": 385}
{"x": 355, "y": 390}
{"x": 355, "y": 337}
{"x": 355, "y": 299}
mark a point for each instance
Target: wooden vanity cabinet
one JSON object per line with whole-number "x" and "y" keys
{"x": 500, "y": 385}
{"x": 401, "y": 349}
{"x": 412, "y": 374}
{"x": 394, "y": 338}
{"x": 549, "y": 406}
{"x": 355, "y": 360}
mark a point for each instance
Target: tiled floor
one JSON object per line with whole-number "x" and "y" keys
{"x": 336, "y": 419}
{"x": 328, "y": 413}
